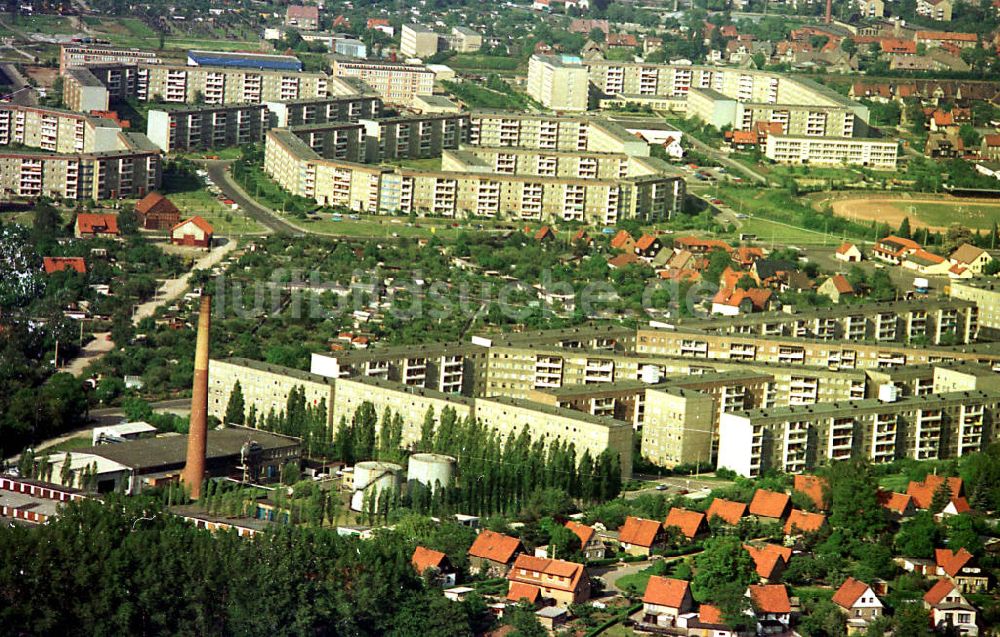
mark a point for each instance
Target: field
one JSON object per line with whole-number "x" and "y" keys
{"x": 781, "y": 234}
{"x": 935, "y": 213}
{"x": 225, "y": 221}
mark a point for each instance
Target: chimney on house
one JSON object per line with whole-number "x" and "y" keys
{"x": 194, "y": 468}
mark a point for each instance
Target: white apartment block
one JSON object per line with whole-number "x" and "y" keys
{"x": 832, "y": 151}
{"x": 559, "y": 83}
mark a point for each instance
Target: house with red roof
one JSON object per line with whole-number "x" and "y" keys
{"x": 582, "y": 236}
{"x": 435, "y": 564}
{"x": 949, "y": 607}
{"x": 639, "y": 536}
{"x": 621, "y": 261}
{"x": 61, "y": 264}
{"x": 770, "y": 560}
{"x": 694, "y": 245}
{"x": 893, "y": 249}
{"x": 623, "y": 241}
{"x": 860, "y": 603}
{"x": 590, "y": 542}
{"x": 742, "y": 139}
{"x": 961, "y": 568}
{"x": 927, "y": 263}
{"x": 770, "y": 506}
{"x": 836, "y": 288}
{"x": 156, "y": 212}
{"x": 709, "y": 622}
{"x": 545, "y": 233}
{"x": 689, "y": 523}
{"x": 726, "y": 511}
{"x": 923, "y": 492}
{"x": 621, "y": 41}
{"x": 990, "y": 147}
{"x": 562, "y": 582}
{"x": 735, "y": 301}
{"x": 194, "y": 232}
{"x": 814, "y": 487}
{"x": 746, "y": 256}
{"x": 848, "y": 253}
{"x": 648, "y": 246}
{"x": 771, "y": 607}
{"x": 493, "y": 552}
{"x": 800, "y": 522}
{"x": 665, "y": 600}
{"x": 305, "y": 17}
{"x": 899, "y": 505}
{"x": 91, "y": 225}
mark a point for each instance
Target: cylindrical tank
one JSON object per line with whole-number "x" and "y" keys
{"x": 373, "y": 477}
{"x": 431, "y": 469}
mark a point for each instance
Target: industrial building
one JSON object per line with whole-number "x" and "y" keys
{"x": 244, "y": 60}
{"x": 559, "y": 82}
{"x": 206, "y": 127}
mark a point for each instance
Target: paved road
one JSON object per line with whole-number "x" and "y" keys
{"x": 676, "y": 485}
{"x": 173, "y": 288}
{"x": 218, "y": 170}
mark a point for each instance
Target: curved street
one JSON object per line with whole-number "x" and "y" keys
{"x": 218, "y": 171}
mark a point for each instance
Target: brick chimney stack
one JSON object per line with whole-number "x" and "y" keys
{"x": 194, "y": 468}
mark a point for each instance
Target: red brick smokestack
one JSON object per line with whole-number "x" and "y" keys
{"x": 194, "y": 469}
{"x": 829, "y": 10}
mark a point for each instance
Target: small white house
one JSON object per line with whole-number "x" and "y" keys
{"x": 848, "y": 253}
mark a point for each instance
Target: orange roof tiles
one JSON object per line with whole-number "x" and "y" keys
{"x": 849, "y": 592}
{"x": 951, "y": 562}
{"x": 842, "y": 285}
{"x": 623, "y": 260}
{"x": 744, "y": 137}
{"x": 804, "y": 521}
{"x": 639, "y": 531}
{"x": 520, "y": 590}
{"x": 495, "y": 547}
{"x": 896, "y": 502}
{"x": 844, "y": 248}
{"x": 814, "y": 486}
{"x": 923, "y": 492}
{"x": 665, "y": 591}
{"x": 769, "y": 504}
{"x": 424, "y": 559}
{"x": 89, "y": 223}
{"x": 584, "y": 532}
{"x": 726, "y": 510}
{"x": 645, "y": 242}
{"x": 59, "y": 264}
{"x": 944, "y": 36}
{"x": 770, "y": 598}
{"x": 205, "y": 226}
{"x": 758, "y": 297}
{"x": 689, "y": 522}
{"x": 939, "y": 591}
{"x": 622, "y": 240}
{"x": 767, "y": 558}
{"x": 709, "y": 614}
{"x": 571, "y": 572}
{"x": 155, "y": 202}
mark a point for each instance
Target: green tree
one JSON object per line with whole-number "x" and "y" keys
{"x": 723, "y": 571}
{"x": 853, "y": 498}
{"x": 941, "y": 498}
{"x": 904, "y": 228}
{"x": 918, "y": 536}
{"x": 427, "y": 431}
{"x": 522, "y": 618}
{"x": 66, "y": 471}
{"x": 236, "y": 409}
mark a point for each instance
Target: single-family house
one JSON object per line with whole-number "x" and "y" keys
{"x": 923, "y": 492}
{"x": 836, "y": 288}
{"x": 665, "y": 600}
{"x": 770, "y": 506}
{"x": 156, "y": 212}
{"x": 860, "y": 603}
{"x": 971, "y": 257}
{"x": 814, "y": 487}
{"x": 800, "y": 522}
{"x": 639, "y": 536}
{"x": 950, "y": 609}
{"x": 61, "y": 264}
{"x": 493, "y": 552}
{"x": 194, "y": 232}
{"x": 545, "y": 233}
{"x": 90, "y": 225}
{"x": 689, "y": 523}
{"x": 647, "y": 247}
{"x": 435, "y": 564}
{"x": 623, "y": 241}
{"x": 771, "y": 607}
{"x": 562, "y": 582}
{"x": 735, "y": 301}
{"x": 893, "y": 249}
{"x": 927, "y": 263}
{"x": 961, "y": 568}
{"x": 590, "y": 543}
{"x": 726, "y": 511}
{"x": 899, "y": 505}
{"x": 770, "y": 560}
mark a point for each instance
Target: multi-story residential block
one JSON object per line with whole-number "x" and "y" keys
{"x": 225, "y": 85}
{"x": 265, "y": 387}
{"x": 810, "y": 120}
{"x": 394, "y": 83}
{"x": 120, "y": 80}
{"x": 418, "y": 41}
{"x": 56, "y": 130}
{"x": 465, "y": 40}
{"x": 83, "y": 92}
{"x": 414, "y": 137}
{"x": 323, "y": 110}
{"x": 939, "y": 10}
{"x": 796, "y": 439}
{"x": 206, "y": 127}
{"x": 450, "y": 368}
{"x": 829, "y": 151}
{"x": 551, "y": 132}
{"x": 986, "y": 296}
{"x": 678, "y": 428}
{"x": 559, "y": 83}
{"x": 77, "y": 55}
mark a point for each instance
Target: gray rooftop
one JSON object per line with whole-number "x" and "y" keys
{"x": 870, "y": 405}
{"x": 261, "y": 366}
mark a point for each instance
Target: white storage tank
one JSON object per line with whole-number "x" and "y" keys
{"x": 374, "y": 477}
{"x": 431, "y": 469}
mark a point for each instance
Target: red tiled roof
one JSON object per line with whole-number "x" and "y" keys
{"x": 639, "y": 531}
{"x": 927, "y": 256}
{"x": 943, "y": 119}
{"x": 769, "y": 504}
{"x": 424, "y": 559}
{"x": 520, "y": 590}
{"x": 726, "y": 510}
{"x": 813, "y": 486}
{"x": 622, "y": 39}
{"x": 205, "y": 226}
{"x": 581, "y": 235}
{"x": 622, "y": 239}
{"x": 300, "y": 11}
{"x": 495, "y": 547}
{"x": 770, "y": 598}
{"x": 59, "y": 264}
{"x": 947, "y": 35}
{"x": 849, "y": 592}
{"x": 584, "y": 532}
{"x": 695, "y": 242}
{"x": 759, "y": 297}
{"x": 896, "y": 502}
{"x": 961, "y": 505}
{"x": 645, "y": 242}
{"x": 543, "y": 233}
{"x": 939, "y": 591}
{"x": 89, "y": 222}
{"x": 843, "y": 249}
{"x": 899, "y": 243}
{"x": 923, "y": 492}
{"x": 623, "y": 260}
{"x": 767, "y": 557}
{"x": 571, "y": 572}
{"x": 804, "y": 521}
{"x": 951, "y": 562}
{"x": 689, "y": 522}
{"x": 708, "y": 614}
{"x": 665, "y": 591}
{"x": 991, "y": 141}
{"x": 744, "y": 137}
{"x": 893, "y": 45}
{"x": 377, "y": 22}
{"x": 155, "y": 202}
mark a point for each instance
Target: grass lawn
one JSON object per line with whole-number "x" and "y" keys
{"x": 225, "y": 220}
{"x": 431, "y": 163}
{"x": 979, "y": 216}
{"x": 73, "y": 444}
{"x": 50, "y": 24}
{"x": 812, "y": 592}
{"x": 619, "y": 631}
{"x": 483, "y": 62}
{"x": 896, "y": 482}
{"x": 780, "y": 234}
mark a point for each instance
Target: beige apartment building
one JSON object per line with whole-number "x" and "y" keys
{"x": 206, "y": 127}
{"x": 394, "y": 83}
{"x": 264, "y": 387}
{"x": 225, "y": 85}
{"x": 76, "y": 55}
{"x": 418, "y": 41}
{"x": 56, "y": 130}
{"x": 810, "y": 120}
{"x": 83, "y": 92}
{"x": 985, "y": 294}
{"x": 559, "y": 83}
{"x": 679, "y": 425}
{"x": 465, "y": 40}
{"x": 551, "y": 132}
{"x": 879, "y": 154}
{"x": 324, "y": 110}
{"x": 797, "y": 439}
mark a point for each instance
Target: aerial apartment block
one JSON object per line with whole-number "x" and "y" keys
{"x": 394, "y": 83}
{"x": 559, "y": 82}
{"x": 880, "y": 154}
{"x": 83, "y": 92}
{"x": 226, "y": 85}
{"x": 322, "y": 110}
{"x": 418, "y": 41}
{"x": 77, "y": 55}
{"x": 206, "y": 127}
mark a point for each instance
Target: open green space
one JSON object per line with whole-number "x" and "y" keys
{"x": 782, "y": 234}
{"x": 190, "y": 196}
{"x": 494, "y": 93}
{"x": 431, "y": 163}
{"x": 980, "y": 216}
{"x": 472, "y": 61}
{"x": 49, "y": 24}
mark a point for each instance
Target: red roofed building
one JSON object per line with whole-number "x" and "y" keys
{"x": 623, "y": 260}
{"x": 623, "y": 241}
{"x": 899, "y": 505}
{"x": 664, "y": 600}
{"x": 733, "y": 301}
{"x": 770, "y": 505}
{"x": 938, "y": 38}
{"x": 771, "y": 607}
{"x": 564, "y": 582}
{"x": 923, "y": 492}
{"x": 711, "y": 623}
{"x": 694, "y": 245}
{"x": 520, "y": 592}
{"x": 622, "y": 40}
{"x": 60, "y": 264}
{"x": 545, "y": 233}
{"x": 195, "y": 232}
{"x": 800, "y": 522}
{"x": 770, "y": 560}
{"x": 436, "y": 562}
{"x": 493, "y": 552}
{"x": 91, "y": 225}
{"x": 949, "y": 607}
{"x": 962, "y": 569}
{"x": 303, "y": 17}
{"x": 590, "y": 543}
{"x": 849, "y": 253}
{"x": 894, "y": 250}
{"x": 990, "y": 148}
{"x": 743, "y": 139}
{"x": 648, "y": 246}
{"x": 689, "y": 523}
{"x": 639, "y": 536}
{"x": 898, "y": 47}
{"x": 814, "y": 487}
{"x": 745, "y": 256}
{"x": 859, "y": 602}
{"x": 836, "y": 288}
{"x": 726, "y": 510}
{"x": 156, "y": 212}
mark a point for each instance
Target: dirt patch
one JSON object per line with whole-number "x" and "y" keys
{"x": 42, "y": 75}
{"x": 893, "y": 210}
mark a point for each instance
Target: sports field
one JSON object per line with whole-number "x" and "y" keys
{"x": 935, "y": 213}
